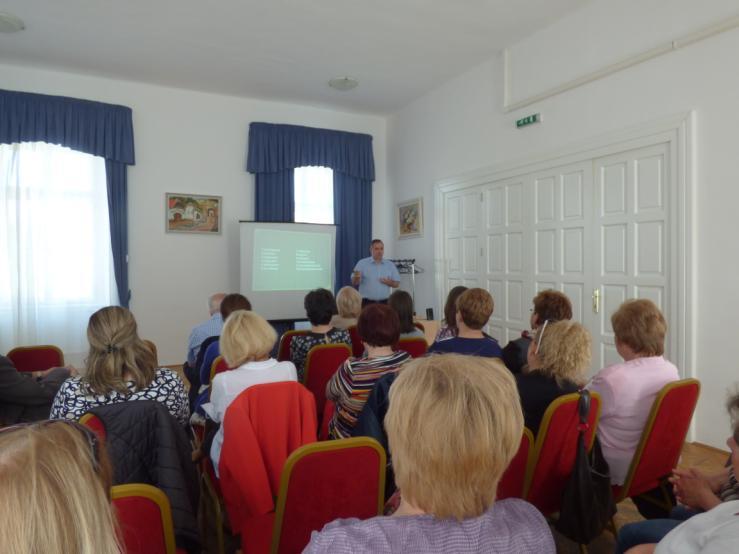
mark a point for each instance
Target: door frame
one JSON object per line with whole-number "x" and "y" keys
{"x": 677, "y": 131}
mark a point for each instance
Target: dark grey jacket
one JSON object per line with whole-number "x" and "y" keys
{"x": 23, "y": 398}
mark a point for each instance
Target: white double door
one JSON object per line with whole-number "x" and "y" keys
{"x": 597, "y": 230}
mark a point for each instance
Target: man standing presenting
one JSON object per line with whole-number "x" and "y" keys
{"x": 375, "y": 276}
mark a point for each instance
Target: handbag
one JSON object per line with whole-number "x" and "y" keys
{"x": 587, "y": 500}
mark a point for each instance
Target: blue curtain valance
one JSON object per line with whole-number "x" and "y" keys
{"x": 277, "y": 147}
{"x": 104, "y": 130}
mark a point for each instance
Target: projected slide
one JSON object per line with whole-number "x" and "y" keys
{"x": 291, "y": 260}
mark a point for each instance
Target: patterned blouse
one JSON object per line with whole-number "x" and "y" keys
{"x": 352, "y": 384}
{"x": 75, "y": 398}
{"x": 445, "y": 332}
{"x": 301, "y": 344}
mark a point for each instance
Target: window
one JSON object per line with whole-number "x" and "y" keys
{"x": 314, "y": 195}
{"x": 55, "y": 247}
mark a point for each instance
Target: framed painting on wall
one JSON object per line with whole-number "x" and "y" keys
{"x": 410, "y": 218}
{"x": 193, "y": 213}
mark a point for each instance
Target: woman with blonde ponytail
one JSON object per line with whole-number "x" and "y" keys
{"x": 54, "y": 482}
{"x": 120, "y": 368}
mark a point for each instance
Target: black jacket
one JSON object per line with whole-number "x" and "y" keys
{"x": 23, "y": 398}
{"x": 146, "y": 444}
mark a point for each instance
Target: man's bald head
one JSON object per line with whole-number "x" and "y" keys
{"x": 214, "y": 302}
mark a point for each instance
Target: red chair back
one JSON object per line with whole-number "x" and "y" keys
{"x": 662, "y": 439}
{"x": 357, "y": 346}
{"x": 95, "y": 423}
{"x": 325, "y": 481}
{"x": 321, "y": 363}
{"x": 512, "y": 483}
{"x": 415, "y": 346}
{"x": 555, "y": 450}
{"x": 36, "y": 358}
{"x": 283, "y": 351}
{"x": 145, "y": 519}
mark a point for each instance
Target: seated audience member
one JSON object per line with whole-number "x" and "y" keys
{"x": 558, "y": 359}
{"x": 549, "y": 305}
{"x": 246, "y": 343}
{"x": 320, "y": 307}
{"x": 474, "y": 308}
{"x": 209, "y": 328}
{"x": 379, "y": 329}
{"x": 706, "y": 520}
{"x": 454, "y": 424}
{"x": 230, "y": 303}
{"x": 402, "y": 303}
{"x": 628, "y": 389}
{"x": 120, "y": 368}
{"x": 54, "y": 486}
{"x": 449, "y": 325}
{"x": 349, "y": 304}
{"x": 26, "y": 396}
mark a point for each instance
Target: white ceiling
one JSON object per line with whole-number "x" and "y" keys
{"x": 276, "y": 49}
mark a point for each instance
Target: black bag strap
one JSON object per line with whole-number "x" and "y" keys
{"x": 583, "y": 408}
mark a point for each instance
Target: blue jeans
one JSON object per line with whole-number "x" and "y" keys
{"x": 650, "y": 530}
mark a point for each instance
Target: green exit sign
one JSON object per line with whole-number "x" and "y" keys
{"x": 528, "y": 120}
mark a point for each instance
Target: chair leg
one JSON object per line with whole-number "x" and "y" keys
{"x": 583, "y": 548}
{"x": 215, "y": 504}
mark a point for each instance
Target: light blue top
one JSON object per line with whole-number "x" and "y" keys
{"x": 370, "y": 286}
{"x": 210, "y": 328}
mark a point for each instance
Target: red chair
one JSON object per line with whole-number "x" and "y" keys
{"x": 512, "y": 482}
{"x": 328, "y": 412}
{"x": 36, "y": 358}
{"x": 320, "y": 483}
{"x": 555, "y": 449}
{"x": 321, "y": 363}
{"x": 283, "y": 351}
{"x": 95, "y": 423}
{"x": 357, "y": 346}
{"x": 145, "y": 519}
{"x": 662, "y": 441}
{"x": 415, "y": 346}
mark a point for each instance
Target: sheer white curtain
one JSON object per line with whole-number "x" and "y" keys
{"x": 314, "y": 194}
{"x": 56, "y": 264}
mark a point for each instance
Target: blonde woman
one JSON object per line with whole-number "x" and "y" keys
{"x": 246, "y": 342}
{"x": 454, "y": 424}
{"x": 349, "y": 304}
{"x": 558, "y": 359}
{"x": 120, "y": 368}
{"x": 54, "y": 486}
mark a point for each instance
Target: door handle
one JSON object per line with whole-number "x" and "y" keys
{"x": 596, "y": 300}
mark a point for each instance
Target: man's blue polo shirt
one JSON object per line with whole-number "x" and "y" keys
{"x": 370, "y": 287}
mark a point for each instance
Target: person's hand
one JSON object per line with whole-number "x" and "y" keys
{"x": 356, "y": 278}
{"x": 693, "y": 489}
{"x": 73, "y": 372}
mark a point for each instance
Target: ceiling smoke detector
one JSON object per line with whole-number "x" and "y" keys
{"x": 343, "y": 83}
{"x": 10, "y": 23}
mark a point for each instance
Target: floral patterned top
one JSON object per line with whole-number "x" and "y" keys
{"x": 301, "y": 344}
{"x": 75, "y": 398}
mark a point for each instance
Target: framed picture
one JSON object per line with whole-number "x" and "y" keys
{"x": 193, "y": 213}
{"x": 410, "y": 218}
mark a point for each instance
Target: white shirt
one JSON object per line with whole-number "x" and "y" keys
{"x": 713, "y": 532}
{"x": 229, "y": 384}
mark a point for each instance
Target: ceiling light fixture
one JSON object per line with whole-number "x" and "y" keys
{"x": 343, "y": 83}
{"x": 10, "y": 23}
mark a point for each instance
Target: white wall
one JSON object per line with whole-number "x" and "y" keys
{"x": 195, "y": 143}
{"x": 461, "y": 127}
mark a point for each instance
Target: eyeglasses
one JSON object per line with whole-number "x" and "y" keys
{"x": 541, "y": 334}
{"x": 90, "y": 436}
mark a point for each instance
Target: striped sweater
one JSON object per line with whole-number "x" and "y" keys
{"x": 351, "y": 385}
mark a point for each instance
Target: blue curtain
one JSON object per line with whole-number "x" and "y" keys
{"x": 276, "y": 150}
{"x": 353, "y": 217}
{"x": 104, "y": 130}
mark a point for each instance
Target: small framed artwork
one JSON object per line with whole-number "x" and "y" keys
{"x": 193, "y": 213}
{"x": 410, "y": 218}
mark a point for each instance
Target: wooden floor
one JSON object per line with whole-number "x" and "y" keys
{"x": 706, "y": 458}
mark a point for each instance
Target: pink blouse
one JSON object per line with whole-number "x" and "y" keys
{"x": 627, "y": 391}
